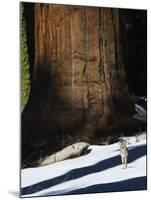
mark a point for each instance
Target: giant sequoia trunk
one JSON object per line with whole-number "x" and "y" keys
{"x": 78, "y": 84}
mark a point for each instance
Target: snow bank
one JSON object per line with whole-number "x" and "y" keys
{"x": 140, "y": 113}
{"x": 98, "y": 171}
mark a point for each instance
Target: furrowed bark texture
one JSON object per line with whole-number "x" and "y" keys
{"x": 78, "y": 79}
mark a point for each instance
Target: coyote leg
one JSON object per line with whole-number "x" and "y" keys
{"x": 122, "y": 159}
{"x": 125, "y": 162}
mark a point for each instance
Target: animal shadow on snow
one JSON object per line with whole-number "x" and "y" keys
{"x": 134, "y": 154}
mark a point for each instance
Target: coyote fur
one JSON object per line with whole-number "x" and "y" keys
{"x": 124, "y": 153}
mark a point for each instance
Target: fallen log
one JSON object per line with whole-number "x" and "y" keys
{"x": 74, "y": 150}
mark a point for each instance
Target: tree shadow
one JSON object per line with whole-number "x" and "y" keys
{"x": 139, "y": 183}
{"x": 134, "y": 154}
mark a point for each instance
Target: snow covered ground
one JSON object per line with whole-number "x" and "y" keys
{"x": 98, "y": 171}
{"x": 141, "y": 113}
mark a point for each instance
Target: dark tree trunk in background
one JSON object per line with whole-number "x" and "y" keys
{"x": 135, "y": 49}
{"x": 78, "y": 81}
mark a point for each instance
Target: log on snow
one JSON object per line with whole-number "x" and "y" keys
{"x": 73, "y": 150}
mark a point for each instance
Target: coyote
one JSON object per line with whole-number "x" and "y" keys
{"x": 124, "y": 153}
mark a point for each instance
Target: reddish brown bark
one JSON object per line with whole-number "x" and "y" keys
{"x": 78, "y": 78}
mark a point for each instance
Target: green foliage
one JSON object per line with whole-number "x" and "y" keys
{"x": 25, "y": 74}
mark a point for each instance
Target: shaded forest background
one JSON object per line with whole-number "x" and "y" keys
{"x": 39, "y": 116}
